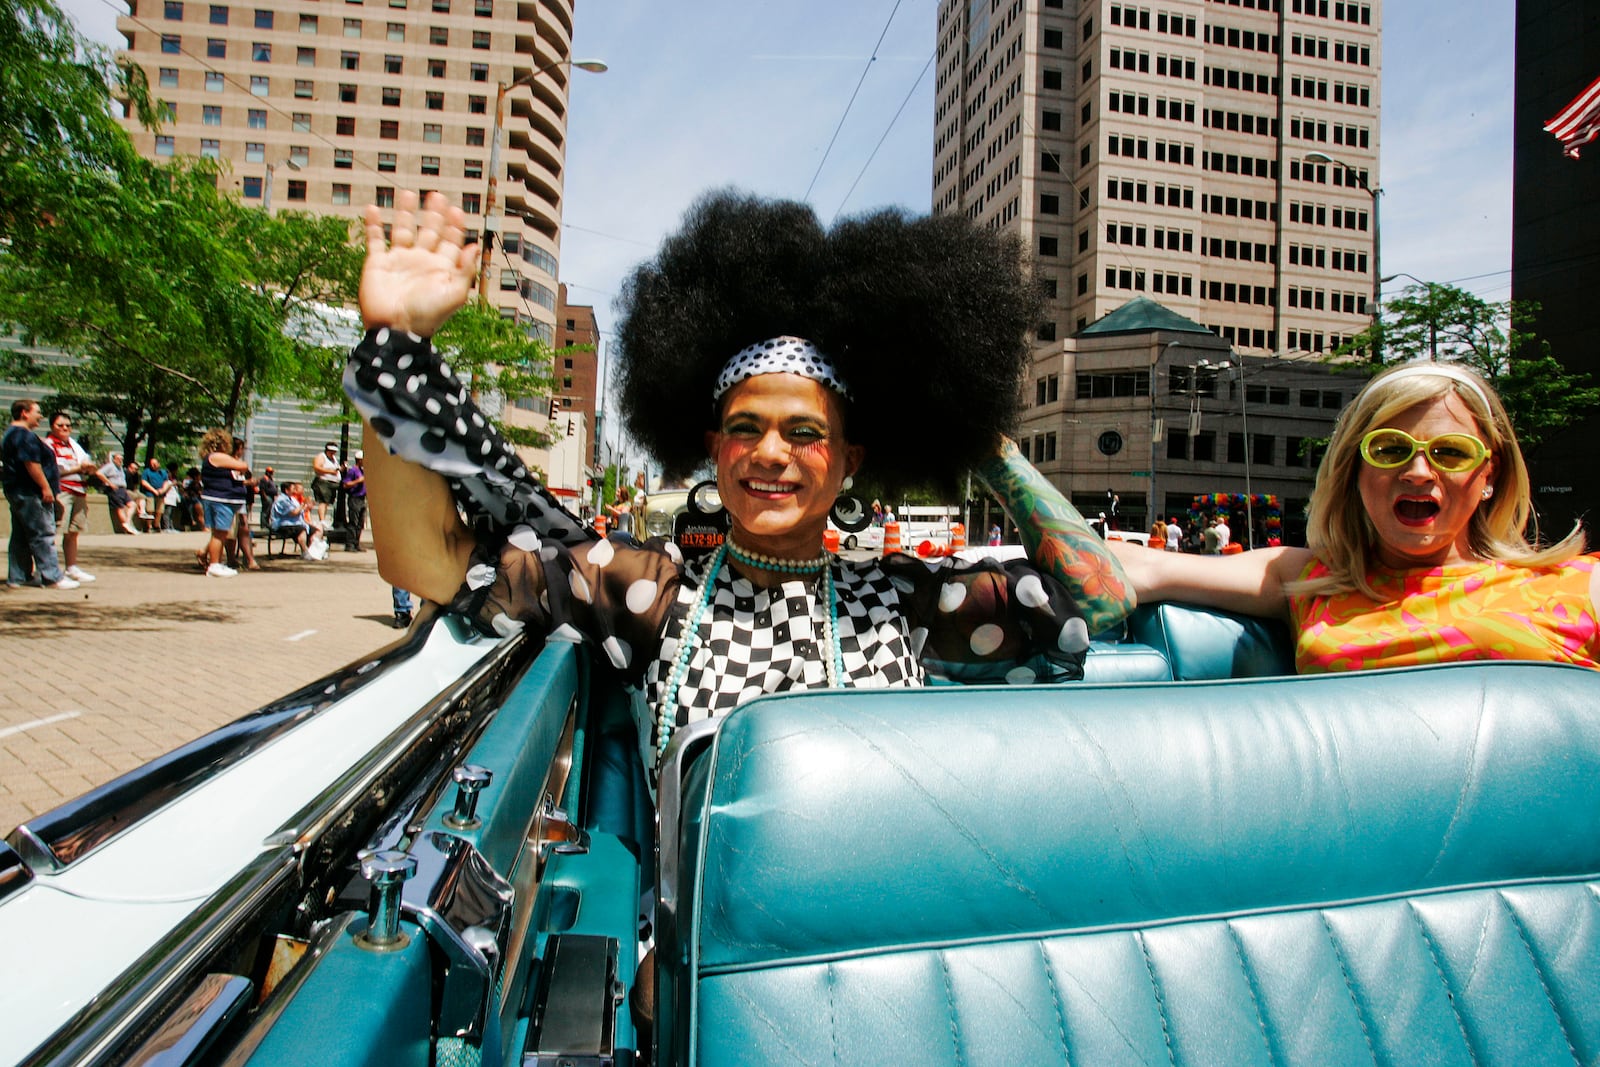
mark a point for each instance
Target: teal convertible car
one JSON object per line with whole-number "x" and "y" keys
{"x": 448, "y": 854}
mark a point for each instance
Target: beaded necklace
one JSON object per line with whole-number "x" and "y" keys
{"x": 833, "y": 660}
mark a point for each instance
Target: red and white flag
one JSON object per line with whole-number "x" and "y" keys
{"x": 1579, "y": 121}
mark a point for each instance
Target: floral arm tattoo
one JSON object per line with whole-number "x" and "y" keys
{"x": 1058, "y": 539}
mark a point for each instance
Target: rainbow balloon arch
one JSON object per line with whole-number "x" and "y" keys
{"x": 1268, "y": 510}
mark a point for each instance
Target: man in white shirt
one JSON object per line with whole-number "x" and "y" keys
{"x": 72, "y": 502}
{"x": 1224, "y": 535}
{"x": 1174, "y": 535}
{"x": 116, "y": 483}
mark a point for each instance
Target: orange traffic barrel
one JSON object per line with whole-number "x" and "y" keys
{"x": 1232, "y": 548}
{"x": 830, "y": 540}
{"x": 958, "y": 536}
{"x": 600, "y": 525}
{"x": 891, "y": 538}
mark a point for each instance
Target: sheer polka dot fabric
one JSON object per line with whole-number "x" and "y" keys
{"x": 792, "y": 355}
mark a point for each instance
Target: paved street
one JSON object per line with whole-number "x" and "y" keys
{"x": 97, "y": 681}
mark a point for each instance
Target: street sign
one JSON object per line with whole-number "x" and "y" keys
{"x": 1141, "y": 474}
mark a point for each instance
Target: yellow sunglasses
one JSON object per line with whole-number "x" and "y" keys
{"x": 1453, "y": 453}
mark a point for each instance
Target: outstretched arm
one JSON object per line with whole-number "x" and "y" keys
{"x": 1058, "y": 539}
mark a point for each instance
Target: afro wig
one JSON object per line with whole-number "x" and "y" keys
{"x": 927, "y": 319}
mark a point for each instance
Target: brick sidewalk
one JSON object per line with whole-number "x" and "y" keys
{"x": 154, "y": 654}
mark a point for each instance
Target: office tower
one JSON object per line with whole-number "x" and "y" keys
{"x": 1162, "y": 149}
{"x": 577, "y": 378}
{"x": 1555, "y": 236}
{"x": 329, "y": 106}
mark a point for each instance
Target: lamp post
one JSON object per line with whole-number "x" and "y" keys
{"x": 490, "y": 224}
{"x": 1433, "y": 313}
{"x": 1155, "y": 373}
{"x": 266, "y": 189}
{"x": 1377, "y": 272}
{"x": 1244, "y": 417}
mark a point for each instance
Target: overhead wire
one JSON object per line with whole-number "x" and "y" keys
{"x": 871, "y": 59}
{"x": 874, "y": 153}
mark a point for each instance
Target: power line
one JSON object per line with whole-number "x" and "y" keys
{"x": 874, "y": 153}
{"x": 871, "y": 59}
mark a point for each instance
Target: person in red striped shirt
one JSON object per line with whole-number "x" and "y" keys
{"x": 72, "y": 503}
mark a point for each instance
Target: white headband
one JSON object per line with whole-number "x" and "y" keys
{"x": 1441, "y": 370}
{"x": 780, "y": 355}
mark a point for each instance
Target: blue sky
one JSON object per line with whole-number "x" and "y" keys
{"x": 731, "y": 92}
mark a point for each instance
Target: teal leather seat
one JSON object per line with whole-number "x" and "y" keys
{"x": 1205, "y": 643}
{"x": 1393, "y": 867}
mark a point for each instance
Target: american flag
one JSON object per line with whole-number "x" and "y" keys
{"x": 1579, "y": 121}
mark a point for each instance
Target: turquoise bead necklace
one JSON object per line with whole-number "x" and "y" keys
{"x": 833, "y": 661}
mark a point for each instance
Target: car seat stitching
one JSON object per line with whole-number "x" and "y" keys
{"x": 1438, "y": 968}
{"x": 1055, "y": 997}
{"x": 1250, "y": 983}
{"x": 831, "y": 977}
{"x": 1349, "y": 985}
{"x": 1538, "y": 971}
{"x": 1161, "y": 1004}
{"x": 950, "y": 999}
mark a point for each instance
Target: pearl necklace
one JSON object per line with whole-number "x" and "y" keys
{"x": 689, "y": 640}
{"x": 774, "y": 563}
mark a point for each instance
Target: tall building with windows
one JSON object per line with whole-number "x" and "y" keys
{"x": 329, "y": 106}
{"x": 1218, "y": 157}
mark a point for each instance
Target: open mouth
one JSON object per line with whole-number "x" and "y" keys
{"x": 1416, "y": 511}
{"x": 769, "y": 490}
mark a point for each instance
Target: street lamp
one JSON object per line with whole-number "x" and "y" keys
{"x": 1244, "y": 416}
{"x": 490, "y": 224}
{"x": 1377, "y": 273}
{"x": 1433, "y": 320}
{"x": 266, "y": 189}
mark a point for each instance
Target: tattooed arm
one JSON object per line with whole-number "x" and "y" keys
{"x": 1058, "y": 539}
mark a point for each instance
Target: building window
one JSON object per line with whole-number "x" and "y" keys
{"x": 308, "y": 24}
{"x": 216, "y": 48}
{"x": 473, "y": 168}
{"x": 263, "y": 18}
{"x": 260, "y": 85}
{"x": 211, "y": 115}
{"x": 347, "y": 93}
{"x": 436, "y": 68}
{"x": 479, "y": 72}
{"x": 301, "y": 122}
{"x": 1052, "y": 39}
{"x": 384, "y": 196}
{"x": 1049, "y": 204}
{"x": 393, "y": 65}
{"x": 255, "y": 152}
{"x": 341, "y": 193}
{"x": 471, "y": 203}
{"x": 168, "y": 78}
{"x": 214, "y": 82}
{"x": 164, "y": 145}
{"x": 430, "y": 165}
{"x": 478, "y": 105}
{"x": 305, "y": 57}
{"x": 173, "y": 10}
{"x": 1046, "y": 331}
{"x": 1047, "y": 246}
{"x": 386, "y": 162}
{"x": 433, "y": 101}
{"x": 352, "y": 27}
{"x": 396, "y": 31}
{"x": 442, "y": 6}
{"x": 168, "y": 111}
{"x": 252, "y": 188}
{"x": 1050, "y": 120}
{"x": 391, "y": 96}
{"x": 1052, "y": 79}
{"x": 475, "y": 136}
{"x": 219, "y": 14}
{"x": 300, "y": 155}
{"x": 432, "y": 132}
{"x": 344, "y": 125}
{"x": 297, "y": 189}
{"x": 349, "y": 60}
{"x": 1205, "y": 447}
{"x": 304, "y": 88}
{"x": 343, "y": 159}
{"x": 261, "y": 52}
{"x": 484, "y": 9}
{"x": 389, "y": 130}
{"x": 480, "y": 40}
{"x": 439, "y": 35}
{"x": 171, "y": 44}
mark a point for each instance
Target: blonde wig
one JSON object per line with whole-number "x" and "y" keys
{"x": 1339, "y": 531}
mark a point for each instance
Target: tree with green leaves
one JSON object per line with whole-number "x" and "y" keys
{"x": 503, "y": 363}
{"x": 1494, "y": 338}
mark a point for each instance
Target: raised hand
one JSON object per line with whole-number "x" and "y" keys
{"x": 420, "y": 275}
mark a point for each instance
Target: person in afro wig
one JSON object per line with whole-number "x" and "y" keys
{"x": 787, "y": 353}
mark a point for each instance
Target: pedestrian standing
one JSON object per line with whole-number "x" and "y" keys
{"x": 222, "y": 492}
{"x": 28, "y": 475}
{"x": 355, "y": 501}
{"x": 72, "y": 502}
{"x": 325, "y": 481}
{"x": 153, "y": 484}
{"x": 268, "y": 490}
{"x": 1174, "y": 535}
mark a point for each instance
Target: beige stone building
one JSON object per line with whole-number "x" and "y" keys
{"x": 1216, "y": 156}
{"x": 328, "y": 106}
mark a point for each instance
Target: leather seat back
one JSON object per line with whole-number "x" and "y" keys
{"x": 1396, "y": 866}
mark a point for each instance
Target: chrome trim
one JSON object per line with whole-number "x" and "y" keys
{"x": 66, "y": 834}
{"x": 687, "y": 744}
{"x": 14, "y": 871}
{"x": 190, "y": 1031}
{"x": 147, "y": 990}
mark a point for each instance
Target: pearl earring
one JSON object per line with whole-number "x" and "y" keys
{"x": 849, "y": 483}
{"x": 1488, "y": 491}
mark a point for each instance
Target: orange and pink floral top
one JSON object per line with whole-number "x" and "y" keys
{"x": 1469, "y": 611}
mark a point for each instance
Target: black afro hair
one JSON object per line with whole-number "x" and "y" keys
{"x": 926, "y": 318}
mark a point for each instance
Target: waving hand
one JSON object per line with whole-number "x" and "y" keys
{"x": 416, "y": 278}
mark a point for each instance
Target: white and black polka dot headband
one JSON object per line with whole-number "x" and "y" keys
{"x": 780, "y": 355}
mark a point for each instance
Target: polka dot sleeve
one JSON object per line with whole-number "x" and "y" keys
{"x": 425, "y": 414}
{"x": 612, "y": 594}
{"x": 991, "y": 621}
